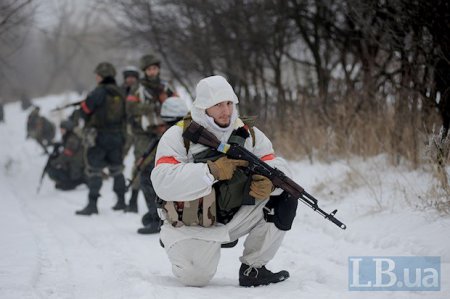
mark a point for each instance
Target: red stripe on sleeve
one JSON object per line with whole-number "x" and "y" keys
{"x": 167, "y": 160}
{"x": 85, "y": 108}
{"x": 133, "y": 98}
{"x": 68, "y": 152}
{"x": 268, "y": 157}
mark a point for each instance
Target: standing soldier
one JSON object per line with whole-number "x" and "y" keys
{"x": 143, "y": 108}
{"x": 2, "y": 113}
{"x": 104, "y": 138}
{"x": 130, "y": 79}
{"x": 67, "y": 168}
{"x": 25, "y": 101}
{"x": 172, "y": 111}
{"x": 40, "y": 129}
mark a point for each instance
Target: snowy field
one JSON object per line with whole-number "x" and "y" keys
{"x": 48, "y": 252}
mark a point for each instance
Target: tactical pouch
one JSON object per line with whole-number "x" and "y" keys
{"x": 89, "y": 137}
{"x": 281, "y": 211}
{"x": 201, "y": 211}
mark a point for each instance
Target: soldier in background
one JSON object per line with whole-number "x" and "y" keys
{"x": 104, "y": 136}
{"x": 25, "y": 102}
{"x": 40, "y": 129}
{"x": 130, "y": 79}
{"x": 67, "y": 168}
{"x": 2, "y": 113}
{"x": 172, "y": 111}
{"x": 143, "y": 109}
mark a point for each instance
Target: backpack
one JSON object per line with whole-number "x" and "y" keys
{"x": 111, "y": 116}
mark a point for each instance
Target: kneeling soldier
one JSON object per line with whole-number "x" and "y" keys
{"x": 210, "y": 200}
{"x": 67, "y": 168}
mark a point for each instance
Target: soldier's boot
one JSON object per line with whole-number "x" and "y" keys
{"x": 90, "y": 209}
{"x": 66, "y": 186}
{"x": 253, "y": 277}
{"x": 151, "y": 227}
{"x": 120, "y": 204}
{"x": 229, "y": 244}
{"x": 132, "y": 205}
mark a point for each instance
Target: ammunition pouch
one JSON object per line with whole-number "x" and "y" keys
{"x": 89, "y": 137}
{"x": 200, "y": 211}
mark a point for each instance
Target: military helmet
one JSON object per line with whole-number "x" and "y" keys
{"x": 130, "y": 71}
{"x": 173, "y": 109}
{"x": 35, "y": 110}
{"x": 67, "y": 124}
{"x": 105, "y": 69}
{"x": 148, "y": 60}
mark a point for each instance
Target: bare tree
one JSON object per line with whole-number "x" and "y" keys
{"x": 15, "y": 16}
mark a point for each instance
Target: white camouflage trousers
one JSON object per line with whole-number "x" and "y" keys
{"x": 195, "y": 257}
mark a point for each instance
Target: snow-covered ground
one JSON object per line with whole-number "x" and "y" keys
{"x": 48, "y": 252}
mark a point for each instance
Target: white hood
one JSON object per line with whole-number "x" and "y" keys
{"x": 209, "y": 92}
{"x": 213, "y": 90}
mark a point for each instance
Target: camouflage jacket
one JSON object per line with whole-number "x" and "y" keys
{"x": 144, "y": 104}
{"x": 71, "y": 159}
{"x": 40, "y": 128}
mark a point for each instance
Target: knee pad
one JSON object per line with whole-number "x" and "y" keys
{"x": 281, "y": 211}
{"x": 90, "y": 171}
{"x": 191, "y": 276}
{"x": 115, "y": 170}
{"x": 194, "y": 262}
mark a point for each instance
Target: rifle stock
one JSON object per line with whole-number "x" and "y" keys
{"x": 198, "y": 134}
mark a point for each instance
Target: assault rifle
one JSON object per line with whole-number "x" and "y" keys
{"x": 141, "y": 161}
{"x": 198, "y": 134}
{"x": 68, "y": 105}
{"x": 51, "y": 156}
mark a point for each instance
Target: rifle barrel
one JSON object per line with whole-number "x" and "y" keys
{"x": 67, "y": 106}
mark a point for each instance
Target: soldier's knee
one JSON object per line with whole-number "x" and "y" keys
{"x": 116, "y": 170}
{"x": 193, "y": 275}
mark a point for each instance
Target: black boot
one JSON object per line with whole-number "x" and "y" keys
{"x": 66, "y": 186}
{"x": 90, "y": 209}
{"x": 132, "y": 205}
{"x": 153, "y": 226}
{"x": 253, "y": 277}
{"x": 120, "y": 204}
{"x": 229, "y": 244}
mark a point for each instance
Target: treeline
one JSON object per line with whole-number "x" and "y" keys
{"x": 349, "y": 76}
{"x": 335, "y": 76}
{"x": 327, "y": 78}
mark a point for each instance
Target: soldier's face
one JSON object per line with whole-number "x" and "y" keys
{"x": 98, "y": 78}
{"x": 221, "y": 113}
{"x": 152, "y": 71}
{"x": 130, "y": 80}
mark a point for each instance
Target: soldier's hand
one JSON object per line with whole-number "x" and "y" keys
{"x": 260, "y": 187}
{"x": 223, "y": 168}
